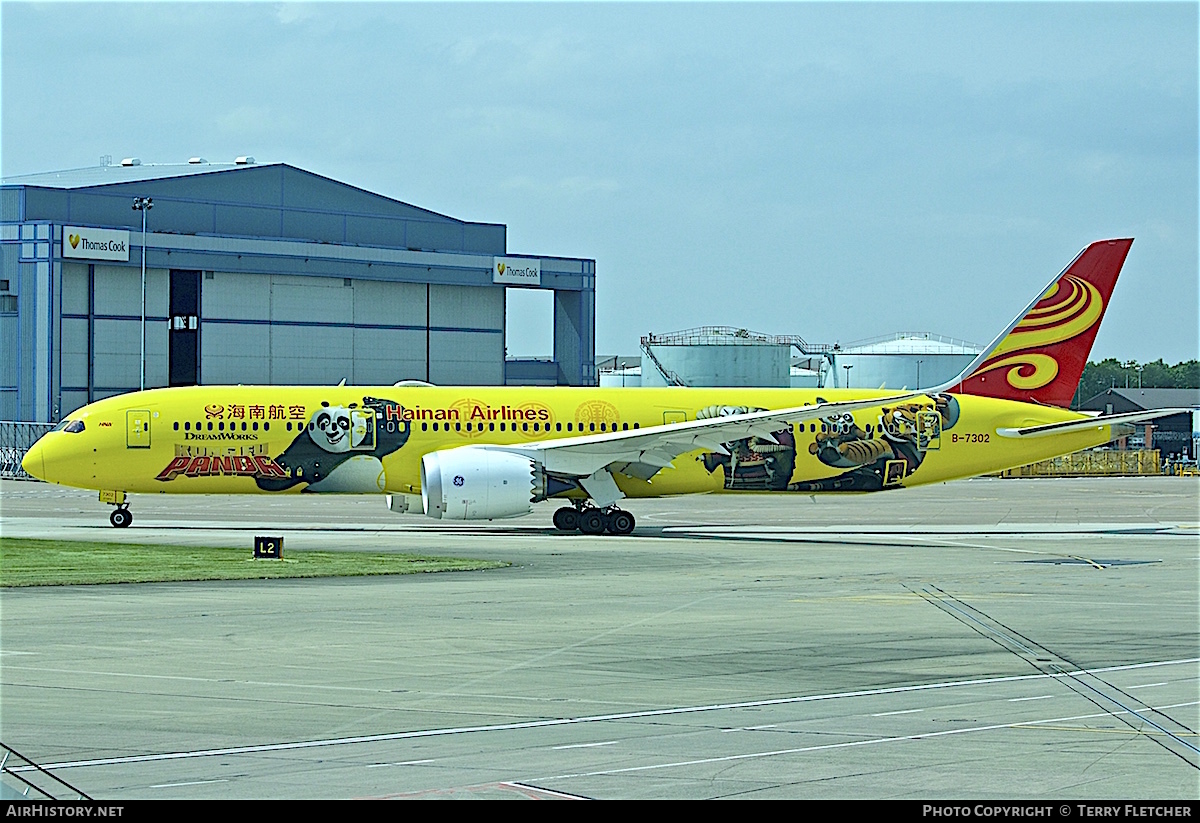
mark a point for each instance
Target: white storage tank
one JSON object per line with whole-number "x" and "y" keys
{"x": 715, "y": 356}
{"x": 907, "y": 360}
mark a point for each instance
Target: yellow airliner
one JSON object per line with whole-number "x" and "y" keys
{"x": 474, "y": 453}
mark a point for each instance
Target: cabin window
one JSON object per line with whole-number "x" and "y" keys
{"x": 266, "y": 427}
{"x": 210, "y": 425}
{"x": 524, "y": 427}
{"x": 177, "y": 427}
{"x": 558, "y": 427}
{"x": 289, "y": 425}
{"x": 624, "y": 427}
{"x": 637, "y": 425}
{"x": 458, "y": 427}
{"x": 221, "y": 426}
{"x": 187, "y": 425}
{"x": 570, "y": 426}
{"x": 254, "y": 425}
{"x": 491, "y": 427}
{"x": 591, "y": 427}
{"x": 424, "y": 427}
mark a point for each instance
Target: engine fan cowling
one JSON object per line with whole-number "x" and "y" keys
{"x": 473, "y": 483}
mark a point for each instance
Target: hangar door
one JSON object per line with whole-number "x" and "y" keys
{"x": 184, "y": 322}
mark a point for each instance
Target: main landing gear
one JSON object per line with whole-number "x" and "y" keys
{"x": 591, "y": 520}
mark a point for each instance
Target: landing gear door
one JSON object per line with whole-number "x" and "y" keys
{"x": 137, "y": 429}
{"x": 929, "y": 431}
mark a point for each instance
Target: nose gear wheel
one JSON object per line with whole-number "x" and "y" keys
{"x": 121, "y": 516}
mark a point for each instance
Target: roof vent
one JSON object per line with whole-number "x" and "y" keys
{"x": 196, "y": 161}
{"x": 131, "y": 161}
{"x": 244, "y": 161}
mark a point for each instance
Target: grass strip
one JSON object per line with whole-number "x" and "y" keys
{"x": 25, "y": 562}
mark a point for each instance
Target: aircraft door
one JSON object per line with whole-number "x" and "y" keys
{"x": 137, "y": 429}
{"x": 674, "y": 417}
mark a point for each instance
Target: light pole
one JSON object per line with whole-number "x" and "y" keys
{"x": 918, "y": 386}
{"x": 143, "y": 204}
{"x": 848, "y": 368}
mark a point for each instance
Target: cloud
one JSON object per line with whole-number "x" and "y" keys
{"x": 574, "y": 186}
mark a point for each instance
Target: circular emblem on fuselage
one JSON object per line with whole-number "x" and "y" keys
{"x": 458, "y": 480}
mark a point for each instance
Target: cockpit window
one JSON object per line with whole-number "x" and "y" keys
{"x": 74, "y": 427}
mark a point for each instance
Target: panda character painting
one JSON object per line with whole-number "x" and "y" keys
{"x": 340, "y": 450}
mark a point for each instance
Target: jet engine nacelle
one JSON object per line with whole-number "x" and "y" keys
{"x": 473, "y": 483}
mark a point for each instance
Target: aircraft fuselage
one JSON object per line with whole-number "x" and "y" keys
{"x": 277, "y": 439}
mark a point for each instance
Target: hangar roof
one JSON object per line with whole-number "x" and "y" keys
{"x": 1137, "y": 399}
{"x": 271, "y": 200}
{"x": 222, "y": 182}
{"x": 105, "y": 175}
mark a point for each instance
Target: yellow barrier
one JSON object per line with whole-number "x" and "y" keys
{"x": 1108, "y": 463}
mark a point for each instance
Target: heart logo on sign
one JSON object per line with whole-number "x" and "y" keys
{"x": 74, "y": 238}
{"x": 500, "y": 268}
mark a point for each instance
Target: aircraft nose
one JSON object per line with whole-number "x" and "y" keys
{"x": 34, "y": 461}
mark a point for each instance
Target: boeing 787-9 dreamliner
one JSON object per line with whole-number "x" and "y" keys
{"x": 483, "y": 453}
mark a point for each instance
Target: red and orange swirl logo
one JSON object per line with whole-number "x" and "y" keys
{"x": 1070, "y": 307}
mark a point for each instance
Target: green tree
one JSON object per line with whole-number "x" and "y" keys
{"x": 1111, "y": 373}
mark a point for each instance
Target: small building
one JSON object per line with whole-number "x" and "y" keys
{"x": 1174, "y": 436}
{"x": 619, "y": 371}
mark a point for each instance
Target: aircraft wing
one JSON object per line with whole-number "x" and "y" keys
{"x": 1091, "y": 423}
{"x": 643, "y": 452}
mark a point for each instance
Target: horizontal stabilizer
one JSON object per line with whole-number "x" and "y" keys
{"x": 1089, "y": 424}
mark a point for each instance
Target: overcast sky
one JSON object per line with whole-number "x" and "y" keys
{"x": 838, "y": 171}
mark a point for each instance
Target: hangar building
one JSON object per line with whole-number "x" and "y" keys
{"x": 258, "y": 273}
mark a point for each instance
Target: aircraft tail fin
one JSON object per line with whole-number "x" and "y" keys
{"x": 1040, "y": 357}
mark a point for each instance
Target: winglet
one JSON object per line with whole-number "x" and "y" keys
{"x": 1040, "y": 357}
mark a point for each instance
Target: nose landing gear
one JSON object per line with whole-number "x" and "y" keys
{"x": 591, "y": 520}
{"x": 121, "y": 516}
